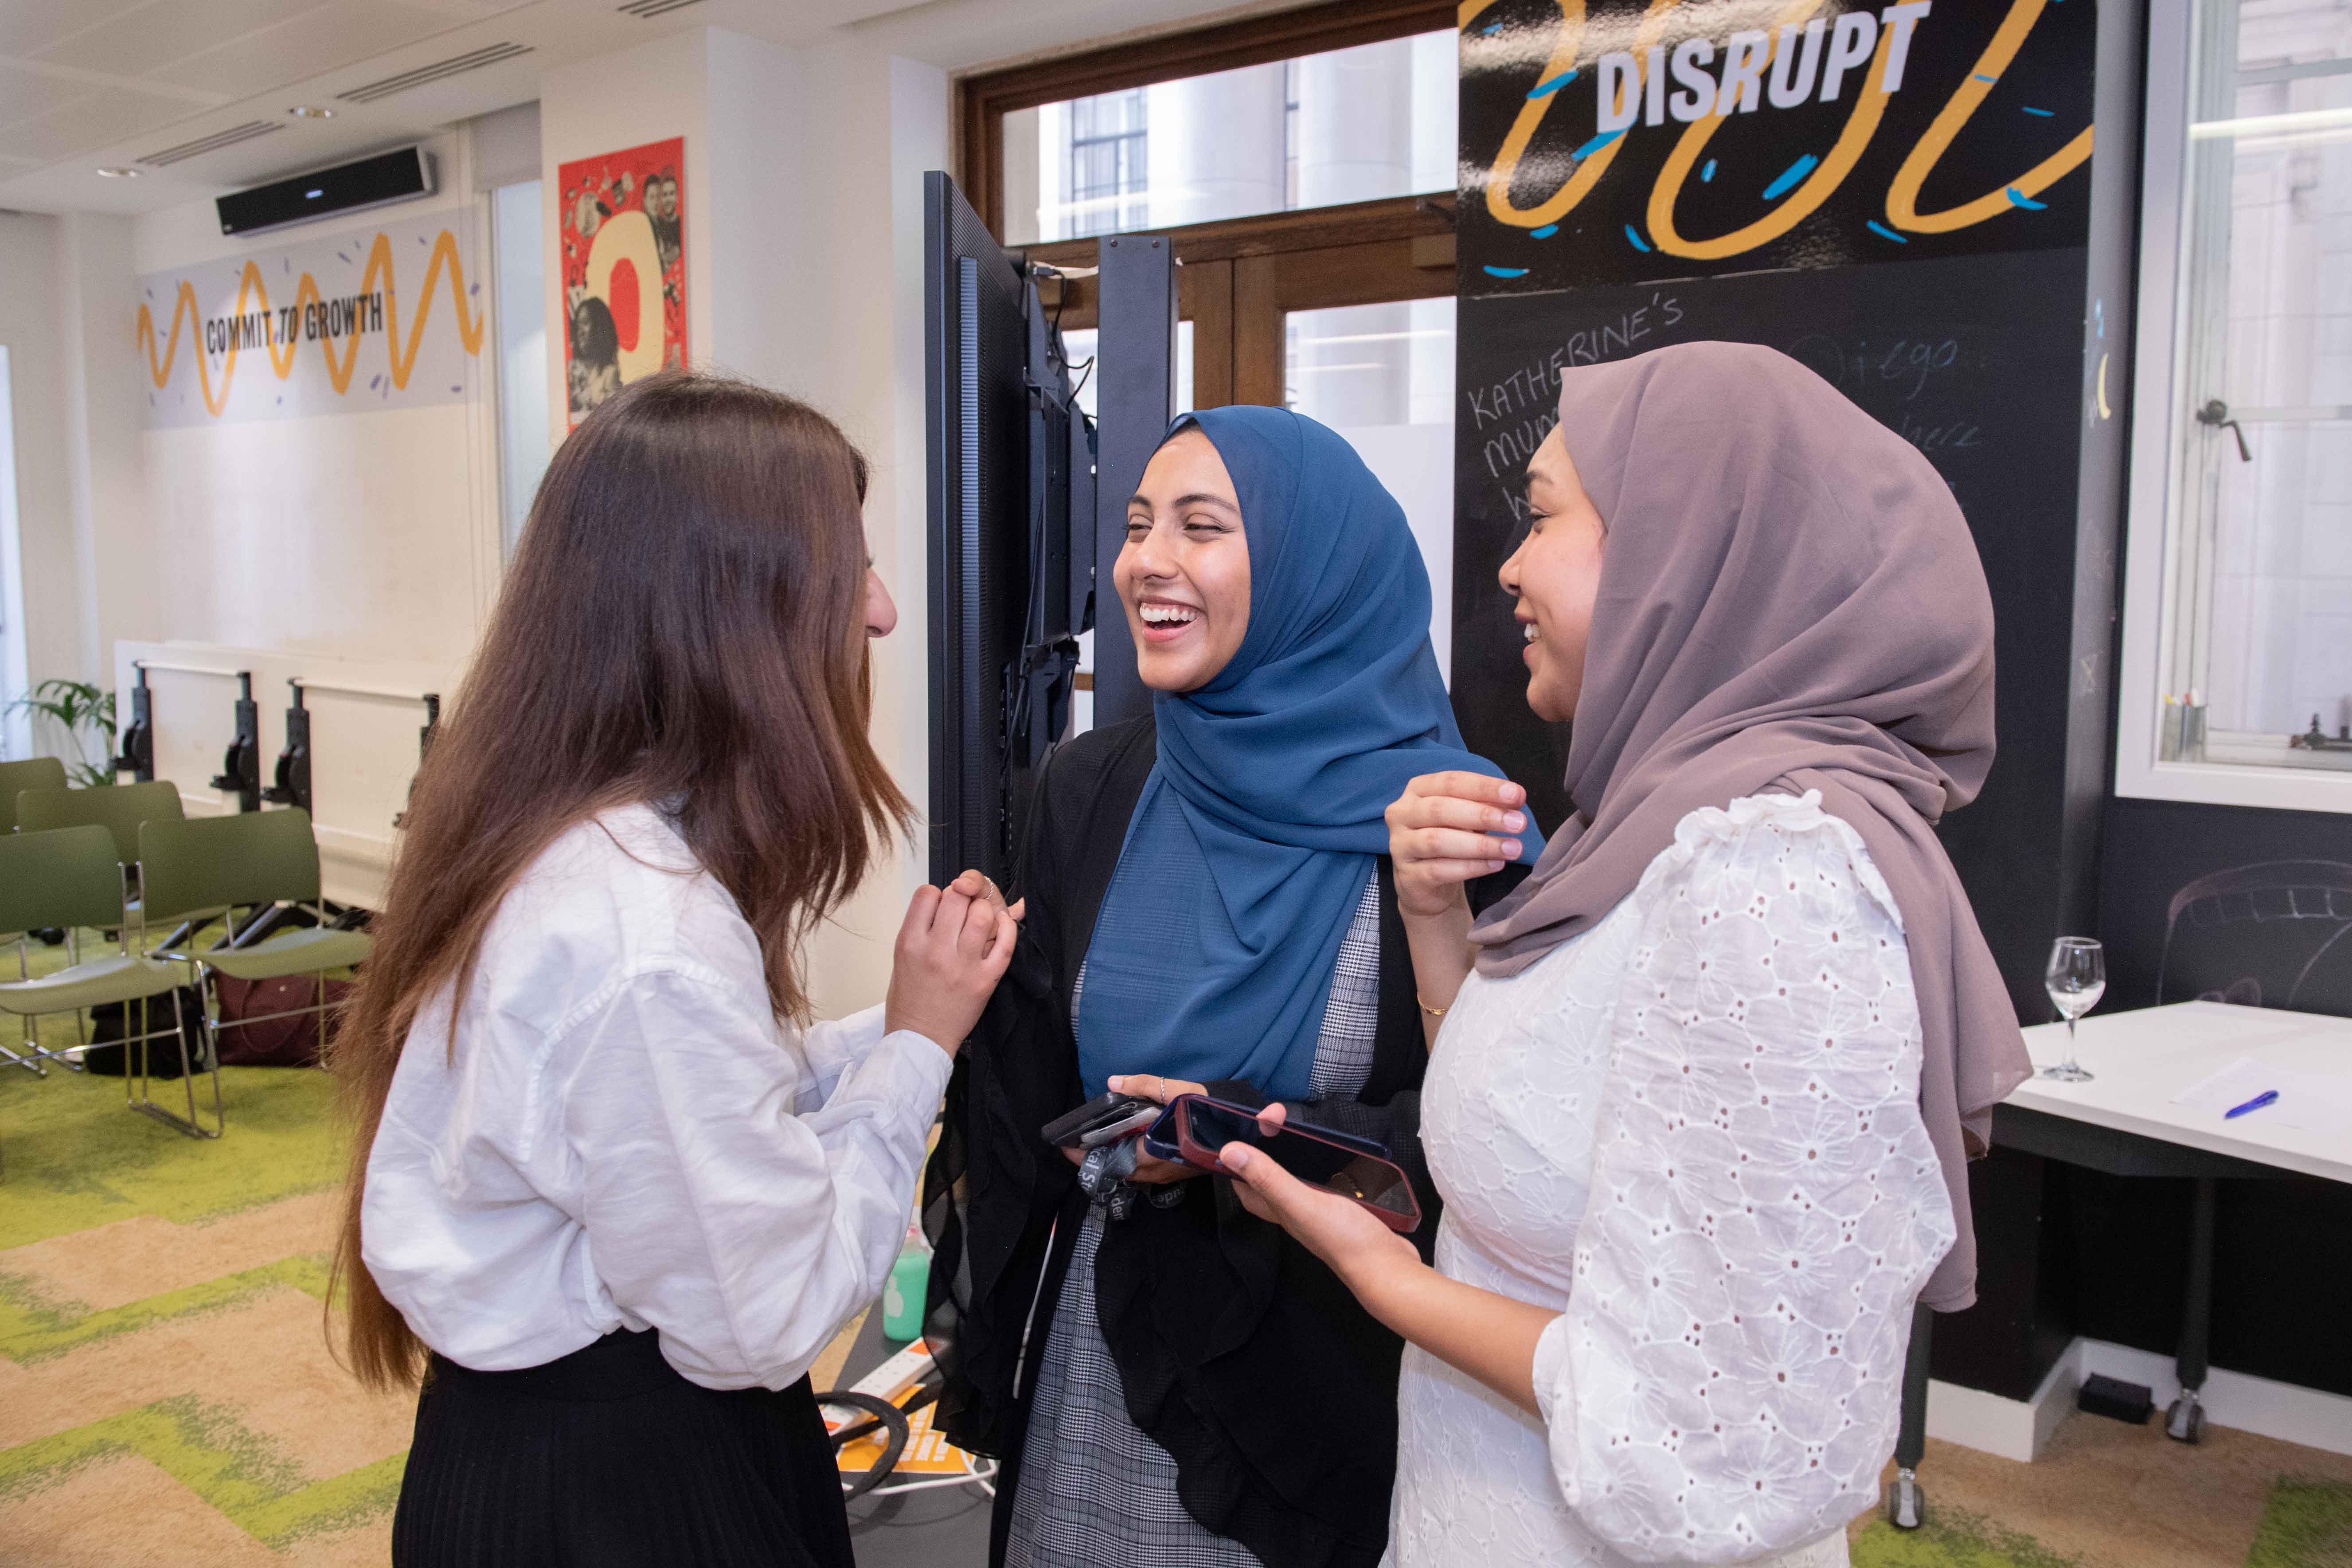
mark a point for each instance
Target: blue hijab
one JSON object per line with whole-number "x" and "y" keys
{"x": 1256, "y": 830}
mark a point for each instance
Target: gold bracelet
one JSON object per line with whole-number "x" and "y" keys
{"x": 1432, "y": 1011}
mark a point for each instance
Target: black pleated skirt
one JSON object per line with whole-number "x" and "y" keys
{"x": 608, "y": 1458}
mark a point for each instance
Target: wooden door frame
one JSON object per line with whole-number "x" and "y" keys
{"x": 1237, "y": 279}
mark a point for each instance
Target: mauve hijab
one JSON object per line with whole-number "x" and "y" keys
{"x": 1789, "y": 600}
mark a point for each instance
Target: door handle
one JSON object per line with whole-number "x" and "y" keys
{"x": 2215, "y": 416}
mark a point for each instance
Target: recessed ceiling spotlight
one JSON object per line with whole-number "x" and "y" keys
{"x": 310, "y": 112}
{"x": 120, "y": 173}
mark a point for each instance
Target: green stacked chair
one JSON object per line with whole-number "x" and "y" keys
{"x": 200, "y": 870}
{"x": 71, "y": 877}
{"x": 121, "y": 809}
{"x": 40, "y": 772}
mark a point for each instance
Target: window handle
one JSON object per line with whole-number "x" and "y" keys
{"x": 2215, "y": 415}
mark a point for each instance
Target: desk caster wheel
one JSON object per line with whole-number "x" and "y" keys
{"x": 1906, "y": 1504}
{"x": 2184, "y": 1420}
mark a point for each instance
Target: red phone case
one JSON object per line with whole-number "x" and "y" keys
{"x": 1203, "y": 1158}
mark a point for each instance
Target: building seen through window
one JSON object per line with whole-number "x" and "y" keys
{"x": 2256, "y": 666}
{"x": 1348, "y": 125}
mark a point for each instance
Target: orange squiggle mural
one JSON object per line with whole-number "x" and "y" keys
{"x": 251, "y": 286}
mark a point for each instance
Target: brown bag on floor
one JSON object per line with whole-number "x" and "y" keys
{"x": 276, "y": 1042}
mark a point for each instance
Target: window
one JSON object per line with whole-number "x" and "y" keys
{"x": 517, "y": 233}
{"x": 1107, "y": 140}
{"x": 1382, "y": 376}
{"x": 2239, "y": 629}
{"x": 16, "y": 726}
{"x": 1334, "y": 127}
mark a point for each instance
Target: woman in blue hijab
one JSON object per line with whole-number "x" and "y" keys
{"x": 1166, "y": 1378}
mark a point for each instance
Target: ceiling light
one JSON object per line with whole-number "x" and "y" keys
{"x": 310, "y": 112}
{"x": 120, "y": 173}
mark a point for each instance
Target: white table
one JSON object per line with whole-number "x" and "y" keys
{"x": 2125, "y": 1122}
{"x": 2143, "y": 1057}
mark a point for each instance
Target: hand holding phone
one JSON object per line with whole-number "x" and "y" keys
{"x": 1102, "y": 1120}
{"x": 1195, "y": 1126}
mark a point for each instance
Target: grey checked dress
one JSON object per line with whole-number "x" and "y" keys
{"x": 1095, "y": 1490}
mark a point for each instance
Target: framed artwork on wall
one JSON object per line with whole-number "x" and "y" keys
{"x": 622, "y": 217}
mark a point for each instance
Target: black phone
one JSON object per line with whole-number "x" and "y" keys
{"x": 1100, "y": 1120}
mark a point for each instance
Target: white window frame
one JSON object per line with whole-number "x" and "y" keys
{"x": 2158, "y": 498}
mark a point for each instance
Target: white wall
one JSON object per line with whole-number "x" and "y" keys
{"x": 804, "y": 228}
{"x": 368, "y": 534}
{"x": 30, "y": 326}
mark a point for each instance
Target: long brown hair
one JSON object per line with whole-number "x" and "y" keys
{"x": 683, "y": 621}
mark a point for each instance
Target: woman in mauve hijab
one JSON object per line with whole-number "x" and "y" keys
{"x": 1704, "y": 1084}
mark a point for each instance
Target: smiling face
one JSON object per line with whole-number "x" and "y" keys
{"x": 1184, "y": 573}
{"x": 1555, "y": 574}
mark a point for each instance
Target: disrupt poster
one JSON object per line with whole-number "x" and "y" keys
{"x": 385, "y": 316}
{"x": 1620, "y": 142}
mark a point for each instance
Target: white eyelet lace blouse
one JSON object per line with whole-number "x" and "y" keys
{"x": 1694, "y": 1130}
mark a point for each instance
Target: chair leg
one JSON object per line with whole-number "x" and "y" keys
{"x": 144, "y": 1103}
{"x": 2185, "y": 1421}
{"x": 1906, "y": 1504}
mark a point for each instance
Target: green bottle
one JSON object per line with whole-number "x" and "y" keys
{"x": 903, "y": 1296}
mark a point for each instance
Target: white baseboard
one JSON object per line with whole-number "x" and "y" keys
{"x": 2018, "y": 1429}
{"x": 2237, "y": 1399}
{"x": 2012, "y": 1428}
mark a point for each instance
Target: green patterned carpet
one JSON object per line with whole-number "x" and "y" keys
{"x": 163, "y": 1360}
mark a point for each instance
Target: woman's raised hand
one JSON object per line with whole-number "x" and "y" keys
{"x": 952, "y": 949}
{"x": 1450, "y": 829}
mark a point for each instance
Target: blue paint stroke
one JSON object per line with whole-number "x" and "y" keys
{"x": 1789, "y": 177}
{"x": 371, "y": 380}
{"x": 1884, "y": 232}
{"x": 1493, "y": 271}
{"x": 1707, "y": 174}
{"x": 1544, "y": 233}
{"x": 2018, "y": 198}
{"x": 2099, "y": 316}
{"x": 2043, "y": 113}
{"x": 1595, "y": 145}
{"x": 456, "y": 389}
{"x": 1636, "y": 238}
{"x": 1490, "y": 29}
{"x": 1546, "y": 89}
{"x": 1981, "y": 76}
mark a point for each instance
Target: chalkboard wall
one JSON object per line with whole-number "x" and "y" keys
{"x": 1922, "y": 246}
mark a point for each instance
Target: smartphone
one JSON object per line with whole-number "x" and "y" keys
{"x": 1356, "y": 1168}
{"x": 1100, "y": 1120}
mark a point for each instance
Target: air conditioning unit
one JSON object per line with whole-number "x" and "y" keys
{"x": 376, "y": 181}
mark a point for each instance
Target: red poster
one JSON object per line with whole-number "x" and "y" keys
{"x": 623, "y": 218}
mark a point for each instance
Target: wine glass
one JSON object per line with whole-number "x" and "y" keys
{"x": 2076, "y": 979}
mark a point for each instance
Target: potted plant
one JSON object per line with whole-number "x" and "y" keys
{"x": 86, "y": 714}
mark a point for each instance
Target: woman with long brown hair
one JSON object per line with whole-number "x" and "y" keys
{"x": 612, "y": 1194}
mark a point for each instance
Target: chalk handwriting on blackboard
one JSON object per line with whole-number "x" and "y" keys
{"x": 1912, "y": 361}
{"x": 1524, "y": 404}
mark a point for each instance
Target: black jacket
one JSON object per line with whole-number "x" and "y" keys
{"x": 1241, "y": 1354}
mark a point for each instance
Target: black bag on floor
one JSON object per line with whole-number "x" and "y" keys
{"x": 109, "y": 1056}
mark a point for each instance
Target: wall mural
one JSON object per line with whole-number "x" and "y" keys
{"x": 387, "y": 317}
{"x": 623, "y": 222}
{"x": 1896, "y": 195}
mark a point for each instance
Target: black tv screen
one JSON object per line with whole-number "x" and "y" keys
{"x": 1010, "y": 467}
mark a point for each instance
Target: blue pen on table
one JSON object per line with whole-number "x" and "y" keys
{"x": 2256, "y": 1103}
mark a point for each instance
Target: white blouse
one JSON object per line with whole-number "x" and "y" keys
{"x": 624, "y": 1134}
{"x": 1694, "y": 1130}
